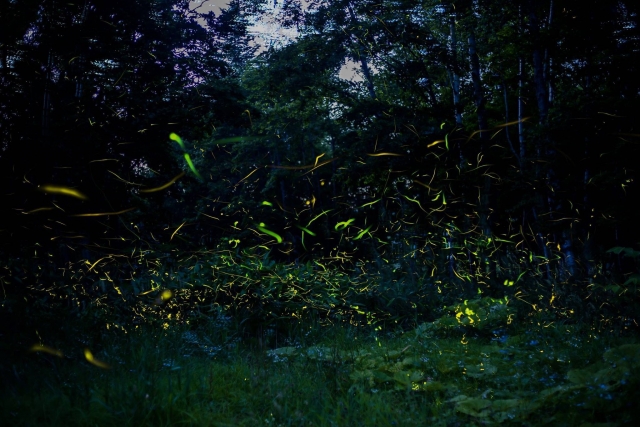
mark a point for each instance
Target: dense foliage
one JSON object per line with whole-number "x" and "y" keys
{"x": 484, "y": 144}
{"x": 161, "y": 165}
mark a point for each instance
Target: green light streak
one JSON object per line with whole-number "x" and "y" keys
{"x": 344, "y": 224}
{"x": 269, "y": 232}
{"x": 318, "y": 216}
{"x": 370, "y": 203}
{"x": 306, "y": 230}
{"x": 191, "y": 166}
{"x": 187, "y": 158}
{"x": 362, "y": 233}
{"x": 176, "y": 138}
{"x": 415, "y": 201}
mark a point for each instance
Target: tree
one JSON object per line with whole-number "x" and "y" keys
{"x": 94, "y": 88}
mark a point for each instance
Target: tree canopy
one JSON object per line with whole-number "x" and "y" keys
{"x": 480, "y": 142}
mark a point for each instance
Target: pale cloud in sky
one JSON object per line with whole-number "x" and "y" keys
{"x": 269, "y": 32}
{"x": 208, "y": 5}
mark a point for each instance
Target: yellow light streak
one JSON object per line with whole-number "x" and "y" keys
{"x": 65, "y": 191}
{"x": 384, "y": 154}
{"x": 250, "y": 173}
{"x": 425, "y": 185}
{"x": 164, "y": 186}
{"x": 105, "y": 213}
{"x": 89, "y": 356}
{"x": 174, "y": 233}
{"x": 326, "y": 162}
{"x": 122, "y": 179}
{"x": 46, "y": 349}
{"x": 37, "y": 210}
{"x": 96, "y": 263}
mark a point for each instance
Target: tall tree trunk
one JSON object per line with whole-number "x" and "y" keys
{"x": 507, "y": 120}
{"x": 3, "y": 61}
{"x": 478, "y": 92}
{"x": 521, "y": 140}
{"x": 81, "y": 61}
{"x": 46, "y": 99}
{"x": 455, "y": 77}
{"x": 333, "y": 173}
{"x": 283, "y": 191}
{"x": 364, "y": 63}
{"x": 589, "y": 214}
{"x": 540, "y": 84}
{"x": 48, "y": 12}
{"x": 429, "y": 85}
{"x": 548, "y": 61}
{"x": 546, "y": 147}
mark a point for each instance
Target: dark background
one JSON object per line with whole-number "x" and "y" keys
{"x": 91, "y": 91}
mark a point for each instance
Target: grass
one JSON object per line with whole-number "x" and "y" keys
{"x": 332, "y": 376}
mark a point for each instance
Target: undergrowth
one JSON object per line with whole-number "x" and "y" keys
{"x": 222, "y": 339}
{"x": 448, "y": 372}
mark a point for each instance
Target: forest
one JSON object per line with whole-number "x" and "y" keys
{"x": 406, "y": 213}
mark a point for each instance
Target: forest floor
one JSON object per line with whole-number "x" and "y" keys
{"x": 536, "y": 374}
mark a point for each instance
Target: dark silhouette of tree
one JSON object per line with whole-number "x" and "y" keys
{"x": 93, "y": 91}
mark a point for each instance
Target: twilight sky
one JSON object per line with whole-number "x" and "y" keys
{"x": 210, "y": 5}
{"x": 347, "y": 72}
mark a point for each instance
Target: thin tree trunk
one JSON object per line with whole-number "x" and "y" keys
{"x": 364, "y": 64}
{"x": 429, "y": 84}
{"x": 506, "y": 120}
{"x": 478, "y": 91}
{"x": 455, "y": 77}
{"x": 333, "y": 173}
{"x": 548, "y": 61}
{"x": 542, "y": 244}
{"x": 283, "y": 192}
{"x": 542, "y": 97}
{"x": 588, "y": 214}
{"x": 3, "y": 59}
{"x": 46, "y": 101}
{"x": 81, "y": 65}
{"x": 521, "y": 140}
